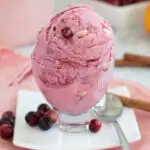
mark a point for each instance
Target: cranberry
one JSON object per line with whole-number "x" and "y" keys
{"x": 45, "y": 123}
{"x": 9, "y": 121}
{"x": 6, "y": 131}
{"x": 52, "y": 115}
{"x": 31, "y": 119}
{"x": 113, "y": 2}
{"x": 1, "y": 122}
{"x": 8, "y": 114}
{"x": 40, "y": 113}
{"x": 95, "y": 125}
{"x": 126, "y": 2}
{"x": 44, "y": 107}
{"x": 54, "y": 29}
{"x": 67, "y": 32}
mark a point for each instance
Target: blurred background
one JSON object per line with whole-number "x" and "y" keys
{"x": 20, "y": 21}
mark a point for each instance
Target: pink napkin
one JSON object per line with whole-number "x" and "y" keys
{"x": 12, "y": 63}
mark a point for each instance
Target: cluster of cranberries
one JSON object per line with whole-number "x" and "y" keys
{"x": 44, "y": 117}
{"x": 67, "y": 33}
{"x": 7, "y": 123}
{"x": 123, "y": 2}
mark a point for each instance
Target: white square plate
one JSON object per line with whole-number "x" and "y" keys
{"x": 55, "y": 139}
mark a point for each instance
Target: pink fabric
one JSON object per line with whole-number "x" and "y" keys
{"x": 8, "y": 96}
{"x": 11, "y": 64}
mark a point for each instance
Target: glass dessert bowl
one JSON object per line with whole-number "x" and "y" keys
{"x": 73, "y": 63}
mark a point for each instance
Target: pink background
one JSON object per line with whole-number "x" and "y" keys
{"x": 20, "y": 20}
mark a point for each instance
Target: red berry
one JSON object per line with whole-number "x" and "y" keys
{"x": 9, "y": 121}
{"x": 6, "y": 131}
{"x": 126, "y": 2}
{"x": 31, "y": 118}
{"x": 1, "y": 122}
{"x": 43, "y": 107}
{"x": 67, "y": 32}
{"x": 45, "y": 123}
{"x": 40, "y": 113}
{"x": 95, "y": 125}
{"x": 113, "y": 2}
{"x": 52, "y": 115}
{"x": 8, "y": 114}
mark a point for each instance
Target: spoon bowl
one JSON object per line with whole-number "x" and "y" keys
{"x": 112, "y": 109}
{"x": 109, "y": 113}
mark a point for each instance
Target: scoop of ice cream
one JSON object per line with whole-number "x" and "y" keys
{"x": 76, "y": 44}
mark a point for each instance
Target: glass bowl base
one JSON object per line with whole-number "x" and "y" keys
{"x": 74, "y": 124}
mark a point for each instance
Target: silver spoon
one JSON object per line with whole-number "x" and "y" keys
{"x": 113, "y": 109}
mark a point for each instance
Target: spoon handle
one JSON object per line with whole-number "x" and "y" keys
{"x": 135, "y": 103}
{"x": 123, "y": 140}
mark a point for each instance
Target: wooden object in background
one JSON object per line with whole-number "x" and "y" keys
{"x": 143, "y": 60}
{"x": 134, "y": 103}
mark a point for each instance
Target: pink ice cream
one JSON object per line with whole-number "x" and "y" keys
{"x": 73, "y": 59}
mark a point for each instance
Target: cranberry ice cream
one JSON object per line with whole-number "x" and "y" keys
{"x": 73, "y": 59}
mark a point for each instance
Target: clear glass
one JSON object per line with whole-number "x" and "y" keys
{"x": 74, "y": 102}
{"x": 74, "y": 124}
